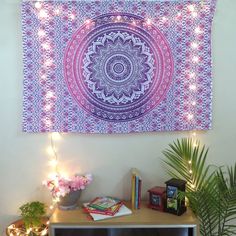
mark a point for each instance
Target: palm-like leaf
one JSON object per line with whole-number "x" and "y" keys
{"x": 212, "y": 195}
{"x": 185, "y": 159}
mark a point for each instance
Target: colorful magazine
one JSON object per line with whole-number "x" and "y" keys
{"x": 109, "y": 211}
{"x": 103, "y": 203}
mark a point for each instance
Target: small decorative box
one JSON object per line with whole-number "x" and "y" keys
{"x": 173, "y": 204}
{"x": 157, "y": 198}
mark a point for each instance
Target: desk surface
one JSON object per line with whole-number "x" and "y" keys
{"x": 143, "y": 216}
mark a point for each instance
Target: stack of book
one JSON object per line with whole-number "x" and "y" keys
{"x": 136, "y": 186}
{"x": 106, "y": 207}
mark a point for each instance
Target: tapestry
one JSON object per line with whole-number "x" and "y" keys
{"x": 117, "y": 66}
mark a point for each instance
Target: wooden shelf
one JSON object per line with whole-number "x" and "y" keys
{"x": 142, "y": 218}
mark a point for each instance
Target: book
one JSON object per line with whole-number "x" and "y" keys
{"x": 122, "y": 212}
{"x": 139, "y": 192}
{"x": 109, "y": 211}
{"x": 103, "y": 203}
{"x": 135, "y": 188}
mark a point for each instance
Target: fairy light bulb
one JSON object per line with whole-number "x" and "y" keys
{"x": 190, "y": 171}
{"x": 194, "y": 134}
{"x": 46, "y": 46}
{"x": 192, "y": 75}
{"x": 56, "y": 136}
{"x": 194, "y": 45}
{"x": 38, "y": 5}
{"x": 194, "y": 14}
{"x": 57, "y": 11}
{"x": 49, "y": 94}
{"x": 149, "y": 21}
{"x": 48, "y": 62}
{"x": 193, "y": 87}
{"x": 118, "y": 18}
{"x": 193, "y": 103}
{"x": 72, "y": 16}
{"x": 195, "y": 59}
{"x": 47, "y": 107}
{"x": 198, "y": 30}
{"x": 191, "y": 8}
{"x": 41, "y": 33}
{"x": 190, "y": 117}
{"x": 43, "y": 13}
{"x": 53, "y": 163}
{"x": 50, "y": 151}
{"x": 51, "y": 207}
{"x": 164, "y": 19}
{"x": 189, "y": 162}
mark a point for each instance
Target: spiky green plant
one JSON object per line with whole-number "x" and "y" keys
{"x": 211, "y": 192}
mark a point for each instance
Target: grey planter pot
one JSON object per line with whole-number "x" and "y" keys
{"x": 70, "y": 201}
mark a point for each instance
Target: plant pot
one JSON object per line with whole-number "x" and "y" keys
{"x": 18, "y": 228}
{"x": 69, "y": 201}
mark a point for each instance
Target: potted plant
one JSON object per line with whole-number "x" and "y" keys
{"x": 211, "y": 191}
{"x": 33, "y": 220}
{"x": 66, "y": 191}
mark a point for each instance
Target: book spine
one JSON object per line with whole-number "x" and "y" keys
{"x": 133, "y": 191}
{"x": 139, "y": 192}
{"x": 136, "y": 191}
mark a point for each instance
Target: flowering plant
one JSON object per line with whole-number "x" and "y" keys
{"x": 60, "y": 186}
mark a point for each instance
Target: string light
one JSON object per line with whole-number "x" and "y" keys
{"x": 148, "y": 21}
{"x": 38, "y": 5}
{"x": 198, "y": 30}
{"x": 43, "y": 13}
{"x": 193, "y": 87}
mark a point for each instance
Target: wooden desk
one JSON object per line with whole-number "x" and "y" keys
{"x": 144, "y": 218}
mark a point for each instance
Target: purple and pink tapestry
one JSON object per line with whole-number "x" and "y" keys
{"x": 117, "y": 66}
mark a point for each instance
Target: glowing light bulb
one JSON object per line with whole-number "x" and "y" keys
{"x": 41, "y": 33}
{"x": 46, "y": 46}
{"x": 190, "y": 116}
{"x": 164, "y": 19}
{"x": 48, "y": 122}
{"x": 44, "y": 232}
{"x": 193, "y": 103}
{"x": 194, "y": 14}
{"x": 38, "y": 5}
{"x": 44, "y": 182}
{"x": 52, "y": 176}
{"x": 49, "y": 94}
{"x": 198, "y": 30}
{"x": 43, "y": 77}
{"x": 51, "y": 207}
{"x": 193, "y": 186}
{"x": 43, "y": 13}
{"x": 189, "y": 162}
{"x": 48, "y": 62}
{"x": 118, "y": 18}
{"x": 50, "y": 151}
{"x": 179, "y": 14}
{"x": 192, "y": 75}
{"x": 191, "y": 8}
{"x": 195, "y": 144}
{"x": 53, "y": 162}
{"x": 72, "y": 16}
{"x": 47, "y": 107}
{"x": 57, "y": 11}
{"x": 193, "y": 87}
{"x": 190, "y": 171}
{"x": 194, "y": 134}
{"x": 195, "y": 59}
{"x": 56, "y": 136}
{"x": 149, "y": 21}
{"x": 194, "y": 45}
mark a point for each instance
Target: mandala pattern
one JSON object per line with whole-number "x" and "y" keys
{"x": 115, "y": 71}
{"x": 114, "y": 66}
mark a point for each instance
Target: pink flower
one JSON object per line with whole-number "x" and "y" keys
{"x": 61, "y": 186}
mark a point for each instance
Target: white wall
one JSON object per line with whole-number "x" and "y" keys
{"x": 23, "y": 159}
